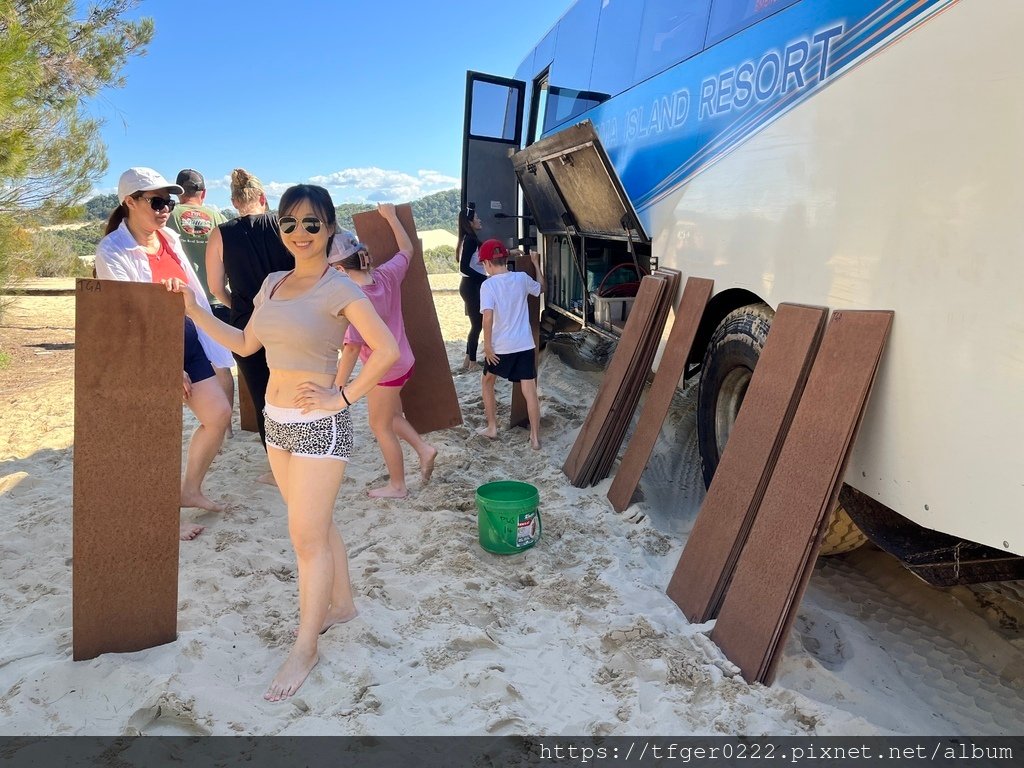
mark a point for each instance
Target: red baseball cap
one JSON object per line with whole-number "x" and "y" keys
{"x": 492, "y": 249}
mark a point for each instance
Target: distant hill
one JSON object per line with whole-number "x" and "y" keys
{"x": 99, "y": 208}
{"x": 437, "y": 211}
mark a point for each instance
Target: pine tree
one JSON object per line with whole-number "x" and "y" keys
{"x": 50, "y": 62}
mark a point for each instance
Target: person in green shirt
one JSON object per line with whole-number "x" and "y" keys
{"x": 194, "y": 222}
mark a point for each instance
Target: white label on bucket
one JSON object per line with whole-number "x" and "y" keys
{"x": 526, "y": 530}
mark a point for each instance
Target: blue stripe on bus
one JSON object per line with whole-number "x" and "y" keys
{"x": 693, "y": 114}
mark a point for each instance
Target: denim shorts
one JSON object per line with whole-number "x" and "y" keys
{"x": 317, "y": 434}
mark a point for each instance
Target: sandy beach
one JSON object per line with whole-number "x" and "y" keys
{"x": 575, "y": 636}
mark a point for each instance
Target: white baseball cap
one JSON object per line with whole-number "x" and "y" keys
{"x": 143, "y": 180}
{"x": 345, "y": 244}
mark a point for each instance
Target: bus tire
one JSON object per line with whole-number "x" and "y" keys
{"x": 728, "y": 366}
{"x": 841, "y": 534}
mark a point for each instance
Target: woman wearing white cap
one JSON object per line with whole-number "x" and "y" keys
{"x": 138, "y": 247}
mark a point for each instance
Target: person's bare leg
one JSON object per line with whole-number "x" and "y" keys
{"x": 210, "y": 406}
{"x": 407, "y": 432}
{"x": 529, "y": 389}
{"x": 383, "y": 404}
{"x": 227, "y": 383}
{"x": 490, "y": 406}
{"x": 342, "y": 607}
{"x": 312, "y": 488}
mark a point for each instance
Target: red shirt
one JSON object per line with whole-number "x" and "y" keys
{"x": 164, "y": 263}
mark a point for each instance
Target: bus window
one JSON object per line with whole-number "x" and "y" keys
{"x": 731, "y": 16}
{"x": 672, "y": 30}
{"x": 494, "y": 111}
{"x": 538, "y": 107}
{"x": 618, "y": 33}
{"x": 565, "y": 104}
{"x": 574, "y": 45}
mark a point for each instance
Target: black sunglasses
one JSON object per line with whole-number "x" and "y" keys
{"x": 309, "y": 223}
{"x": 159, "y": 203}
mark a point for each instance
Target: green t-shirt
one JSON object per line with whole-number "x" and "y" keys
{"x": 195, "y": 223}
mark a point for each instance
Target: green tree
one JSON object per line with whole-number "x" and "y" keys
{"x": 438, "y": 211}
{"x": 440, "y": 259}
{"x": 346, "y": 211}
{"x": 99, "y": 207}
{"x": 51, "y": 61}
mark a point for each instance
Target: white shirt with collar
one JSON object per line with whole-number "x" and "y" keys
{"x": 120, "y": 257}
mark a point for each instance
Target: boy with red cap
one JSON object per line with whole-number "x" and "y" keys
{"x": 509, "y": 350}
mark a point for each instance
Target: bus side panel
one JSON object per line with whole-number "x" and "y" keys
{"x": 897, "y": 187}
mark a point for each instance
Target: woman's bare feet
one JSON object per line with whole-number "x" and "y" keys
{"x": 189, "y": 531}
{"x": 199, "y": 501}
{"x": 333, "y": 617}
{"x": 389, "y": 491}
{"x": 291, "y": 675}
{"x": 427, "y": 463}
{"x": 490, "y": 432}
{"x": 535, "y": 442}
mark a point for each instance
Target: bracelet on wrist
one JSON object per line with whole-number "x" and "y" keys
{"x": 341, "y": 390}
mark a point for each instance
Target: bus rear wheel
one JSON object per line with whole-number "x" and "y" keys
{"x": 726, "y": 372}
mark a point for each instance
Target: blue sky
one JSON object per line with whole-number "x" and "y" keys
{"x": 363, "y": 96}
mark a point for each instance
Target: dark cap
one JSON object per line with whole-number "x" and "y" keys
{"x": 492, "y": 249}
{"x": 191, "y": 180}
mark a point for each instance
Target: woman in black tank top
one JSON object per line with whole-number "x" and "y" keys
{"x": 239, "y": 256}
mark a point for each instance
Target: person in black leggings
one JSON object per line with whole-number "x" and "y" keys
{"x": 473, "y": 277}
{"x": 241, "y": 253}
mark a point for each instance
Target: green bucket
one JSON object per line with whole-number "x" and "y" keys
{"x": 508, "y": 517}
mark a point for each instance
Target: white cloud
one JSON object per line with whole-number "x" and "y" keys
{"x": 355, "y": 185}
{"x": 381, "y": 185}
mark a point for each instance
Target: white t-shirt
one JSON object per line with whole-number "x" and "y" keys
{"x": 505, "y": 294}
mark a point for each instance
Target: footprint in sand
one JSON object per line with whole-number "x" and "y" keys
{"x": 823, "y": 640}
{"x": 164, "y": 720}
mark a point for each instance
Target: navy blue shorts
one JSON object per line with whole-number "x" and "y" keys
{"x": 197, "y": 365}
{"x": 515, "y": 366}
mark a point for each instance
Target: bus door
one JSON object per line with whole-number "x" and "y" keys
{"x": 591, "y": 229}
{"x": 493, "y": 132}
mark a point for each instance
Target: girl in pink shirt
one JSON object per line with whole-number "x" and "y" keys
{"x": 383, "y": 287}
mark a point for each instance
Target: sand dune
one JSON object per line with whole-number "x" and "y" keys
{"x": 574, "y": 636}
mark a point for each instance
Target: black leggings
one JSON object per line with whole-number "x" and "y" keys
{"x": 257, "y": 375}
{"x": 469, "y": 290}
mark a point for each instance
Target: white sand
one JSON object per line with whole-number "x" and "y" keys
{"x": 575, "y": 636}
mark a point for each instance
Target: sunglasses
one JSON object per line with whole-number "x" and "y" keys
{"x": 159, "y": 203}
{"x": 309, "y": 223}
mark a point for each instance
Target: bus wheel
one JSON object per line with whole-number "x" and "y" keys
{"x": 842, "y": 534}
{"x": 728, "y": 366}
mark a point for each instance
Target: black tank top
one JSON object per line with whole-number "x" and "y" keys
{"x": 252, "y": 250}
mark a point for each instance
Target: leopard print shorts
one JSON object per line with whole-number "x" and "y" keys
{"x": 318, "y": 434}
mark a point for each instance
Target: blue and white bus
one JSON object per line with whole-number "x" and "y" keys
{"x": 857, "y": 154}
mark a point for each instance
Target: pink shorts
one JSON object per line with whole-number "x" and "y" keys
{"x": 400, "y": 380}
